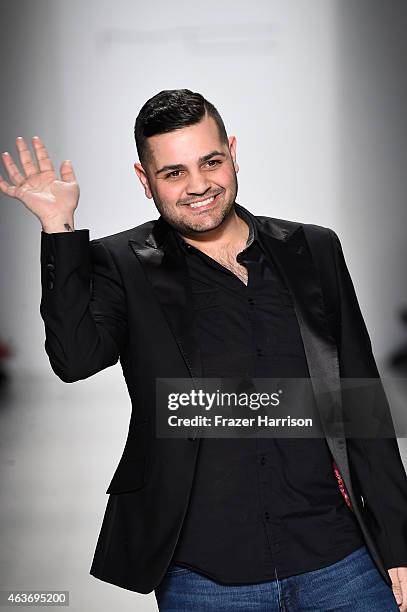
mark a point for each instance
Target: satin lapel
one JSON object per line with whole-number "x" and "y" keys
{"x": 294, "y": 260}
{"x": 165, "y": 268}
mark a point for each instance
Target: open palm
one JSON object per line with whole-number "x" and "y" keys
{"x": 39, "y": 188}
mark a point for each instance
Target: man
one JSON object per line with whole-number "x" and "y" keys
{"x": 209, "y": 289}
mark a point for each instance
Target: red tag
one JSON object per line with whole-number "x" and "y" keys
{"x": 341, "y": 485}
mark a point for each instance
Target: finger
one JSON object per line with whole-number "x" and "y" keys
{"x": 12, "y": 170}
{"x": 403, "y": 585}
{"x": 397, "y": 593}
{"x": 26, "y": 159}
{"x": 67, "y": 173}
{"x": 7, "y": 188}
{"x": 44, "y": 161}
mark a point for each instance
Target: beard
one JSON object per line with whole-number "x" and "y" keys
{"x": 198, "y": 223}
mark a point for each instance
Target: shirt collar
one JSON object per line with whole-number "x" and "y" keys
{"x": 252, "y": 227}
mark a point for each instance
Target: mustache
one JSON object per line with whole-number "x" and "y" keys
{"x": 209, "y": 195}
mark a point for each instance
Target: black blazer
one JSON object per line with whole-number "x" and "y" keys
{"x": 128, "y": 296}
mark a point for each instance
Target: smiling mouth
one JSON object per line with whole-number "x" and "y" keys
{"x": 202, "y": 203}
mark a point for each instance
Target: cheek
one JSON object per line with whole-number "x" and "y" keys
{"x": 170, "y": 193}
{"x": 226, "y": 177}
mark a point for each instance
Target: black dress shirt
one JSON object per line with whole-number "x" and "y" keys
{"x": 260, "y": 508}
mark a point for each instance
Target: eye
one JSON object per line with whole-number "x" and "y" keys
{"x": 172, "y": 174}
{"x": 214, "y": 161}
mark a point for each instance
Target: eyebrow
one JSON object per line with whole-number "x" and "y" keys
{"x": 181, "y": 166}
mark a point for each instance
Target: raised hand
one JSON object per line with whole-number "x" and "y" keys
{"x": 51, "y": 199}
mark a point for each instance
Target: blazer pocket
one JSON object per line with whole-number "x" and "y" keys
{"x": 131, "y": 472}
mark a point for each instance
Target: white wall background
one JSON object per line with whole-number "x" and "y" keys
{"x": 87, "y": 70}
{"x": 315, "y": 92}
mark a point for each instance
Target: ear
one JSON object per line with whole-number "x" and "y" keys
{"x": 141, "y": 173}
{"x": 232, "y": 149}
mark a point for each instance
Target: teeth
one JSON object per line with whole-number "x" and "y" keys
{"x": 203, "y": 203}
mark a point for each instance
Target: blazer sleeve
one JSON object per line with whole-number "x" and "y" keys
{"x": 83, "y": 305}
{"x": 375, "y": 463}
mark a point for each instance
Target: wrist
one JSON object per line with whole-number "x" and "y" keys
{"x": 58, "y": 226}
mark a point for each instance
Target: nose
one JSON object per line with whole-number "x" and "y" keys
{"x": 198, "y": 184}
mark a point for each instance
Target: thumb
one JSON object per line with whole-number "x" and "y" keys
{"x": 67, "y": 173}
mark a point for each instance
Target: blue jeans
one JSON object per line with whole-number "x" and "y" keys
{"x": 351, "y": 584}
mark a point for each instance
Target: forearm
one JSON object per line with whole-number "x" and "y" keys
{"x": 81, "y": 305}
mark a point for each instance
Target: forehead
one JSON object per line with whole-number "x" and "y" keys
{"x": 186, "y": 145}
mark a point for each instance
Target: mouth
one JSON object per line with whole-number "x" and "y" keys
{"x": 204, "y": 204}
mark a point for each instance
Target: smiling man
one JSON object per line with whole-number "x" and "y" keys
{"x": 195, "y": 197}
{"x": 211, "y": 290}
{"x": 207, "y": 183}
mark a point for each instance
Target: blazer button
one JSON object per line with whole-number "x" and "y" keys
{"x": 50, "y": 267}
{"x": 50, "y": 284}
{"x": 51, "y": 258}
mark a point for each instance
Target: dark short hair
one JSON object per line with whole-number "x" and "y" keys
{"x": 169, "y": 110}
